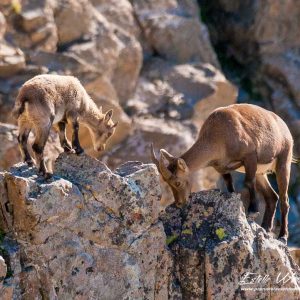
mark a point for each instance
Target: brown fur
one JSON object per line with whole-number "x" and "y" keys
{"x": 241, "y": 137}
{"x": 47, "y": 100}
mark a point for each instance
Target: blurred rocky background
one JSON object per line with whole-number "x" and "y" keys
{"x": 162, "y": 65}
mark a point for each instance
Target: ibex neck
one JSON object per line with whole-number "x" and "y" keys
{"x": 92, "y": 114}
{"x": 197, "y": 157}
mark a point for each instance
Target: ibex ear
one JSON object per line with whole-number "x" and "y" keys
{"x": 181, "y": 164}
{"x": 108, "y": 115}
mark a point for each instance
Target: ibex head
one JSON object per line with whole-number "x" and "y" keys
{"x": 176, "y": 174}
{"x": 103, "y": 130}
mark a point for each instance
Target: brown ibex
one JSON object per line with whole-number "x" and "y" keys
{"x": 241, "y": 137}
{"x": 45, "y": 100}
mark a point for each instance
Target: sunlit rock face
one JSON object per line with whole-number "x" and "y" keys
{"x": 94, "y": 233}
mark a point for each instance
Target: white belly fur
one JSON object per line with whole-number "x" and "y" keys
{"x": 261, "y": 169}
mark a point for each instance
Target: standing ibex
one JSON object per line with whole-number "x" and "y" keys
{"x": 53, "y": 99}
{"x": 240, "y": 137}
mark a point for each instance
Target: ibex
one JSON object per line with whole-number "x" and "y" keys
{"x": 47, "y": 100}
{"x": 241, "y": 137}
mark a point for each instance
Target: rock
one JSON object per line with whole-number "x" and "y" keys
{"x": 86, "y": 232}
{"x": 181, "y": 91}
{"x": 33, "y": 19}
{"x": 9, "y": 149}
{"x": 114, "y": 53}
{"x": 2, "y": 25}
{"x": 12, "y": 60}
{"x": 173, "y": 30}
{"x": 90, "y": 225}
{"x": 33, "y": 27}
{"x": 6, "y": 291}
{"x": 73, "y": 20}
{"x": 3, "y": 268}
{"x": 295, "y": 253}
{"x": 215, "y": 247}
{"x": 118, "y": 12}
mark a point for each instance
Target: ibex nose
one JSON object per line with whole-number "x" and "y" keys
{"x": 101, "y": 148}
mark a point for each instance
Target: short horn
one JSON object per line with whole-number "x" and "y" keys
{"x": 153, "y": 156}
{"x": 167, "y": 155}
{"x": 165, "y": 172}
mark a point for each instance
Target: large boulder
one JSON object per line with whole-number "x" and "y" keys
{"x": 86, "y": 237}
{"x": 173, "y": 30}
{"x": 2, "y": 25}
{"x": 31, "y": 25}
{"x": 219, "y": 255}
{"x": 73, "y": 20}
{"x": 181, "y": 91}
{"x": 12, "y": 60}
{"x": 115, "y": 53}
{"x": 120, "y": 13}
{"x": 98, "y": 234}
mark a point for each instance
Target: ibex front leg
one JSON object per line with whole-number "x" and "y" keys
{"x": 75, "y": 137}
{"x": 250, "y": 164}
{"x": 63, "y": 138}
{"x": 23, "y": 140}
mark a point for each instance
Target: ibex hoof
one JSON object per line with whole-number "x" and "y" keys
{"x": 252, "y": 216}
{"x": 48, "y": 176}
{"x": 69, "y": 150}
{"x": 79, "y": 151}
{"x": 30, "y": 163}
{"x": 283, "y": 239}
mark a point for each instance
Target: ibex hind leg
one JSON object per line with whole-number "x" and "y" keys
{"x": 228, "y": 182}
{"x": 283, "y": 169}
{"x": 271, "y": 198}
{"x": 42, "y": 134}
{"x": 250, "y": 164}
{"x": 24, "y": 132}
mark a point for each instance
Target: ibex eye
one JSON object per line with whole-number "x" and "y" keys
{"x": 177, "y": 183}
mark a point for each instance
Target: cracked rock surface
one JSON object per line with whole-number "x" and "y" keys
{"x": 94, "y": 234}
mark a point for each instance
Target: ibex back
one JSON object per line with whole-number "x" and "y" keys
{"x": 52, "y": 99}
{"x": 241, "y": 137}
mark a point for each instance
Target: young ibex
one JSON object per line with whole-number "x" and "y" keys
{"x": 240, "y": 137}
{"x": 53, "y": 99}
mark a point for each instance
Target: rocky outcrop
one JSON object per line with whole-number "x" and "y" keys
{"x": 172, "y": 29}
{"x": 91, "y": 233}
